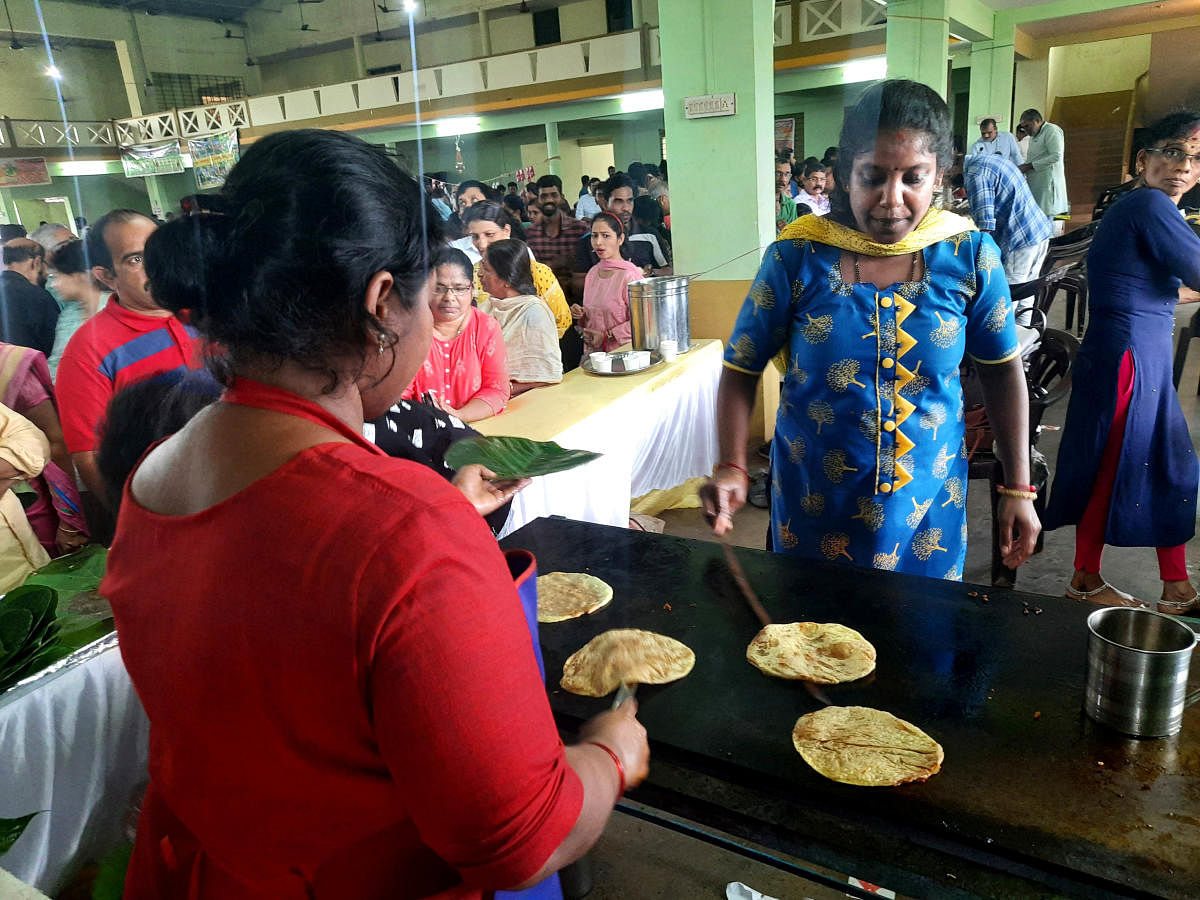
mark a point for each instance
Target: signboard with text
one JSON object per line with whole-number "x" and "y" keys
{"x": 213, "y": 157}
{"x": 22, "y": 172}
{"x": 152, "y": 159}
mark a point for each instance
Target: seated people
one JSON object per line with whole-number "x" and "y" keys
{"x": 466, "y": 369}
{"x": 23, "y": 452}
{"x": 489, "y": 221}
{"x": 530, "y": 337}
{"x": 27, "y": 389}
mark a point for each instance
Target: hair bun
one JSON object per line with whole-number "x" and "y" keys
{"x": 188, "y": 264}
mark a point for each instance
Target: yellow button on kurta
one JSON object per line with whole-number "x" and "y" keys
{"x": 887, "y": 362}
{"x": 889, "y": 425}
{"x": 885, "y": 488}
{"x": 885, "y": 302}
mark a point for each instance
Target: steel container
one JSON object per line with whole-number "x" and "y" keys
{"x": 1137, "y": 670}
{"x": 658, "y": 309}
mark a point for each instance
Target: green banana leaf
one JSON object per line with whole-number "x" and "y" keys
{"x": 72, "y": 574}
{"x": 57, "y": 611}
{"x": 11, "y": 830}
{"x": 15, "y": 625}
{"x": 516, "y": 457}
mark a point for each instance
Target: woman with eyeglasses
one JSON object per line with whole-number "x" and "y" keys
{"x": 466, "y": 370}
{"x": 1127, "y": 471}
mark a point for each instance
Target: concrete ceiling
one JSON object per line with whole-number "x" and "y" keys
{"x": 224, "y": 10}
{"x": 1141, "y": 14}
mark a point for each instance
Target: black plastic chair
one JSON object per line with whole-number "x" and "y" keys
{"x": 1070, "y": 250}
{"x": 1048, "y": 381}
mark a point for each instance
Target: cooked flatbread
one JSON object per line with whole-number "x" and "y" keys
{"x": 860, "y": 745}
{"x": 566, "y": 595}
{"x": 810, "y": 651}
{"x": 625, "y": 655}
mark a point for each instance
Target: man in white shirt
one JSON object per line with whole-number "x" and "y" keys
{"x": 993, "y": 142}
{"x": 587, "y": 207}
{"x": 1045, "y": 169}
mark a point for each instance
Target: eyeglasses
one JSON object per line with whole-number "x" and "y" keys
{"x": 1175, "y": 155}
{"x": 441, "y": 290}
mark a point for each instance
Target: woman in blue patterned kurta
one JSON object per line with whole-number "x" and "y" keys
{"x": 868, "y": 463}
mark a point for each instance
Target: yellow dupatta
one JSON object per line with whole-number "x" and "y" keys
{"x": 936, "y": 226}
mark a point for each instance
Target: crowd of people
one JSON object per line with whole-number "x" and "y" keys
{"x": 248, "y": 390}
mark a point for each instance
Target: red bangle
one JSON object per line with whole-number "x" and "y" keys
{"x": 729, "y": 465}
{"x": 617, "y": 762}
{"x": 1028, "y": 488}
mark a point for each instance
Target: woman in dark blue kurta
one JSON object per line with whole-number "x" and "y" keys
{"x": 1134, "y": 486}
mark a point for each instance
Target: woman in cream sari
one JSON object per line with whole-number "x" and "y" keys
{"x": 526, "y": 322}
{"x": 873, "y": 307}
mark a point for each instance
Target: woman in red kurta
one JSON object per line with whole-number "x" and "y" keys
{"x": 342, "y": 695}
{"x": 467, "y": 367}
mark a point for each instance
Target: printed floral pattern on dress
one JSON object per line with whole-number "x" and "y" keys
{"x": 820, "y": 412}
{"x": 761, "y": 296}
{"x": 871, "y": 513}
{"x": 818, "y": 330}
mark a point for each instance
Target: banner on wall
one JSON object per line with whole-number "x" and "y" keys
{"x": 152, "y": 159}
{"x": 22, "y": 172}
{"x": 213, "y": 157}
{"x": 785, "y": 135}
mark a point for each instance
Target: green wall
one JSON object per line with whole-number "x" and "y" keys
{"x": 99, "y": 194}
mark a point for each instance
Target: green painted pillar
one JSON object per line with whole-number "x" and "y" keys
{"x": 8, "y": 212}
{"x": 552, "y": 151}
{"x": 992, "y": 68}
{"x": 918, "y": 41}
{"x": 722, "y": 169}
{"x": 158, "y": 196}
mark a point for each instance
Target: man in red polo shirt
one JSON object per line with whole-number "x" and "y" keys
{"x": 130, "y": 340}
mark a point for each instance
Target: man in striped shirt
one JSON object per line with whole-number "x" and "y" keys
{"x": 1001, "y": 203}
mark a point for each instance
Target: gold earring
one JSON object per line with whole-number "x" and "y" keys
{"x": 382, "y": 344}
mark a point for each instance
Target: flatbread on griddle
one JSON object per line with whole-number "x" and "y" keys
{"x": 625, "y": 655}
{"x": 810, "y": 651}
{"x": 864, "y": 746}
{"x": 566, "y": 595}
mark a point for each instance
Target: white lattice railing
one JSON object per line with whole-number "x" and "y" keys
{"x": 199, "y": 121}
{"x": 29, "y": 133}
{"x": 160, "y": 126}
{"x": 783, "y": 24}
{"x": 820, "y": 19}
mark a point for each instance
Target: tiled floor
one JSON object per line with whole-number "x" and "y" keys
{"x": 638, "y": 860}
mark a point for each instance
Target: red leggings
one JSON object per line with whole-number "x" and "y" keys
{"x": 1089, "y": 534}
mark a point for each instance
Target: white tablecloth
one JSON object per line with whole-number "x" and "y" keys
{"x": 656, "y": 430}
{"x": 74, "y": 743}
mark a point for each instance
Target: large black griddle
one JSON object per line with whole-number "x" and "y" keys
{"x": 1033, "y": 798}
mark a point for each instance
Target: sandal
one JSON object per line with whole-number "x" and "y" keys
{"x": 1122, "y": 598}
{"x": 1178, "y": 607}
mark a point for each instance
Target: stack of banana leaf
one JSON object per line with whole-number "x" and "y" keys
{"x": 49, "y": 617}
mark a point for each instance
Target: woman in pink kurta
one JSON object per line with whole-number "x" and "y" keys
{"x": 604, "y": 315}
{"x": 467, "y": 367}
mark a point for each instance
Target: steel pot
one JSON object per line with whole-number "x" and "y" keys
{"x": 658, "y": 311}
{"x": 1137, "y": 670}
